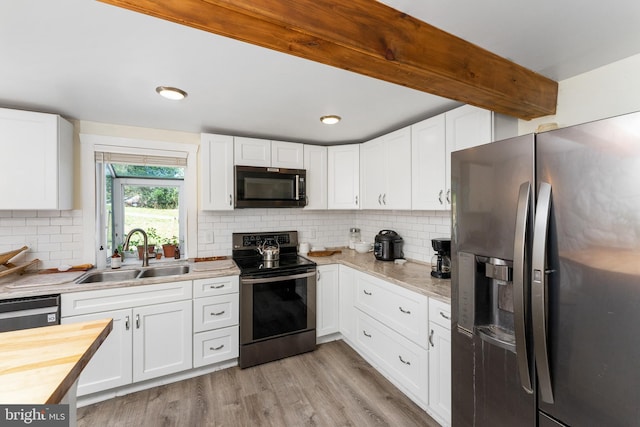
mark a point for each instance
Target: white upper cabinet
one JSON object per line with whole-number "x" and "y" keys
{"x": 266, "y": 153}
{"x": 315, "y": 163}
{"x": 385, "y": 171}
{"x": 433, "y": 141}
{"x": 428, "y": 170}
{"x": 216, "y": 172}
{"x": 287, "y": 155}
{"x": 36, "y": 164}
{"x": 252, "y": 152}
{"x": 344, "y": 176}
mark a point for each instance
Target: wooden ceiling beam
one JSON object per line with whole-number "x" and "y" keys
{"x": 370, "y": 38}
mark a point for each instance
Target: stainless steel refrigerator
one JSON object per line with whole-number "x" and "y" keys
{"x": 546, "y": 278}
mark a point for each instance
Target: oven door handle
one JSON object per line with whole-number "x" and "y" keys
{"x": 277, "y": 278}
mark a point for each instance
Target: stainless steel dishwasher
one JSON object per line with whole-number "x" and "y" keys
{"x": 29, "y": 312}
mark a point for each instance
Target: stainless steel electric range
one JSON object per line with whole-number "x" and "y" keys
{"x": 277, "y": 298}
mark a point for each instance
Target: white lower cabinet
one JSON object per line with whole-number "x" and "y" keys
{"x": 327, "y": 300}
{"x": 347, "y": 290}
{"x": 440, "y": 361}
{"x": 151, "y": 335}
{"x": 403, "y": 362}
{"x": 216, "y": 316}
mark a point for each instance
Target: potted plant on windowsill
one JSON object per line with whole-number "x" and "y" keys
{"x": 169, "y": 247}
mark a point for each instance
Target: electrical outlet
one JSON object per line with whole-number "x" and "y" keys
{"x": 208, "y": 237}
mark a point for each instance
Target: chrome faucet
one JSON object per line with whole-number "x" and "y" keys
{"x": 145, "y": 251}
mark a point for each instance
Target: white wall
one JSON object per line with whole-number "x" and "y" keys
{"x": 604, "y": 92}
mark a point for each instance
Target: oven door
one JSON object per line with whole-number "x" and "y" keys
{"x": 277, "y": 306}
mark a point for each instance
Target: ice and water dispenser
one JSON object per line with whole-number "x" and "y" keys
{"x": 485, "y": 300}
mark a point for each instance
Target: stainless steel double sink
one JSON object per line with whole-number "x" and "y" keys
{"x": 132, "y": 274}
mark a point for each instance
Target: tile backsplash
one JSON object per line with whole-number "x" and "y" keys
{"x": 324, "y": 228}
{"x": 55, "y": 237}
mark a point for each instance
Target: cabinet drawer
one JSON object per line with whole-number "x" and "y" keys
{"x": 117, "y": 298}
{"x": 215, "y": 312}
{"x": 398, "y": 308}
{"x": 215, "y": 286}
{"x": 215, "y": 346}
{"x": 403, "y": 361}
{"x": 440, "y": 313}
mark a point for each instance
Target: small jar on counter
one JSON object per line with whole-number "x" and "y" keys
{"x": 354, "y": 237}
{"x": 116, "y": 259}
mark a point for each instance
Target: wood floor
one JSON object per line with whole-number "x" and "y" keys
{"x": 332, "y": 386}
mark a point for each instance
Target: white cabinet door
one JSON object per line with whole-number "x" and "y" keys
{"x": 344, "y": 176}
{"x": 373, "y": 170}
{"x": 315, "y": 163}
{"x": 428, "y": 169}
{"x": 36, "y": 164}
{"x": 467, "y": 127}
{"x": 288, "y": 155}
{"x": 440, "y": 372}
{"x": 440, "y": 361}
{"x": 385, "y": 171}
{"x": 252, "y": 151}
{"x": 397, "y": 193}
{"x": 216, "y": 172}
{"x": 111, "y": 365}
{"x": 327, "y": 300}
{"x": 162, "y": 339}
{"x": 347, "y": 286}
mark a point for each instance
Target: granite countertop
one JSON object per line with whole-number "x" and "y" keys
{"x": 34, "y": 284}
{"x": 412, "y": 275}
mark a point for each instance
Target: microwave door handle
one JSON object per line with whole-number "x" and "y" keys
{"x": 297, "y": 187}
{"x": 539, "y": 291}
{"x": 519, "y": 297}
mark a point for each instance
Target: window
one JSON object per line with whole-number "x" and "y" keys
{"x": 146, "y": 197}
{"x": 131, "y": 167}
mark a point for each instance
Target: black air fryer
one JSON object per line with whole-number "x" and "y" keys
{"x": 388, "y": 246}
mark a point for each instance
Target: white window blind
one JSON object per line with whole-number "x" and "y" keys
{"x": 140, "y": 159}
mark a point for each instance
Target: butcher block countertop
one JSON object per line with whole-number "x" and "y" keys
{"x": 40, "y": 365}
{"x": 412, "y": 275}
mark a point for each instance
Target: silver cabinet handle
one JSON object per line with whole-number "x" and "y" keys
{"x": 440, "y": 197}
{"x": 520, "y": 299}
{"x": 216, "y": 286}
{"x": 404, "y": 311}
{"x": 127, "y": 322}
{"x": 366, "y": 334}
{"x": 230, "y": 200}
{"x": 367, "y": 293}
{"x": 431, "y": 338}
{"x": 137, "y": 321}
{"x": 379, "y": 197}
{"x": 449, "y": 196}
{"x": 217, "y": 348}
{"x": 384, "y": 199}
{"x": 318, "y": 275}
{"x": 539, "y": 290}
{"x": 220, "y": 313}
{"x": 356, "y": 200}
{"x": 404, "y": 361}
{"x": 445, "y": 316}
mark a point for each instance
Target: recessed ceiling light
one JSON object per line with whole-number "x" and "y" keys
{"x": 172, "y": 93}
{"x": 330, "y": 120}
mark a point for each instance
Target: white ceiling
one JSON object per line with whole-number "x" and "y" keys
{"x": 91, "y": 61}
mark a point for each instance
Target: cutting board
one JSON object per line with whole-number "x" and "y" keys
{"x": 324, "y": 253}
{"x": 213, "y": 265}
{"x": 81, "y": 267}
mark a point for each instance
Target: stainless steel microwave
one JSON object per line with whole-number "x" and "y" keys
{"x": 259, "y": 187}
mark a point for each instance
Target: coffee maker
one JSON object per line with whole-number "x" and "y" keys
{"x": 441, "y": 261}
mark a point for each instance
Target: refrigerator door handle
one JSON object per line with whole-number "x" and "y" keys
{"x": 519, "y": 298}
{"x": 539, "y": 291}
